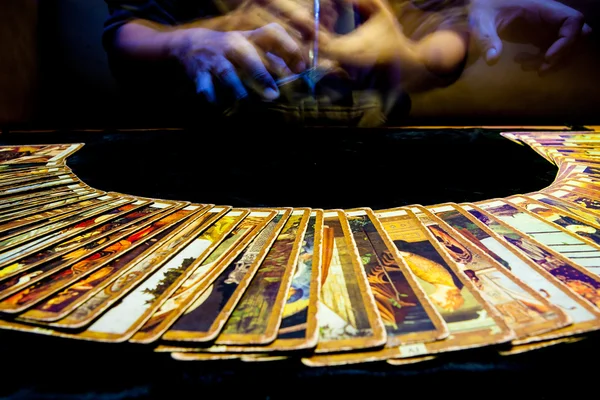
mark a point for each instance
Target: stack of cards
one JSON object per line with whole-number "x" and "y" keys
{"x": 324, "y": 287}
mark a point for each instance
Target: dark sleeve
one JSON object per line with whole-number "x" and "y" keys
{"x": 123, "y": 11}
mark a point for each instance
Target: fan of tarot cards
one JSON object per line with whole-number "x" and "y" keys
{"x": 326, "y": 287}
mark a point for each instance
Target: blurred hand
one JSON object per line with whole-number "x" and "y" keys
{"x": 379, "y": 40}
{"x": 547, "y": 23}
{"x": 238, "y": 56}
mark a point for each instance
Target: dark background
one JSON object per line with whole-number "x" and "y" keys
{"x": 54, "y": 73}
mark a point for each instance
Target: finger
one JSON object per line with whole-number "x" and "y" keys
{"x": 226, "y": 73}
{"x": 297, "y": 16}
{"x": 276, "y": 65}
{"x": 484, "y": 28}
{"x": 568, "y": 34}
{"x": 247, "y": 58}
{"x": 274, "y": 39}
{"x": 204, "y": 86}
{"x": 586, "y": 30}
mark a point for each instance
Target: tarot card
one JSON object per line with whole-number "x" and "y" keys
{"x": 13, "y": 227}
{"x": 583, "y": 315}
{"x": 348, "y": 317}
{"x": 585, "y": 230}
{"x": 112, "y": 293}
{"x": 562, "y": 242}
{"x": 221, "y": 236}
{"x": 123, "y": 320}
{"x": 205, "y": 356}
{"x": 34, "y": 180}
{"x": 525, "y": 311}
{"x": 52, "y": 246}
{"x": 38, "y": 236}
{"x": 13, "y": 208}
{"x": 264, "y": 357}
{"x": 32, "y": 176}
{"x": 49, "y": 207}
{"x": 454, "y": 296}
{"x": 569, "y": 208}
{"x": 28, "y": 173}
{"x": 406, "y": 311}
{"x": 24, "y": 198}
{"x": 523, "y": 348}
{"x": 575, "y": 197}
{"x": 298, "y": 328}
{"x": 64, "y": 302}
{"x": 20, "y": 294}
{"x": 244, "y": 232}
{"x": 53, "y": 154}
{"x": 258, "y": 314}
{"x": 588, "y": 188}
{"x": 216, "y": 298}
{"x": 61, "y": 180}
{"x": 469, "y": 319}
{"x": 582, "y": 282}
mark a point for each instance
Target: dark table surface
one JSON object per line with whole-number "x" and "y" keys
{"x": 316, "y": 168}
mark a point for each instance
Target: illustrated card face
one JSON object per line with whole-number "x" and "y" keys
{"x": 204, "y": 319}
{"x": 406, "y": 312}
{"x": 574, "y": 277}
{"x": 221, "y": 236}
{"x": 257, "y": 316}
{"x": 554, "y": 237}
{"x": 59, "y": 181}
{"x": 67, "y": 300}
{"x": 582, "y": 314}
{"x": 564, "y": 206}
{"x": 51, "y": 246}
{"x": 524, "y": 310}
{"x": 23, "y": 198}
{"x": 348, "y": 317}
{"x": 37, "y": 237}
{"x": 18, "y": 295}
{"x": 183, "y": 262}
{"x": 463, "y": 309}
{"x": 37, "y": 154}
{"x": 298, "y": 328}
{"x": 95, "y": 306}
{"x": 23, "y": 208}
{"x": 15, "y": 226}
{"x": 49, "y": 207}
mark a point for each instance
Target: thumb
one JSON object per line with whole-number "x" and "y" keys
{"x": 484, "y": 28}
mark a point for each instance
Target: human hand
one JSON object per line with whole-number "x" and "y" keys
{"x": 549, "y": 24}
{"x": 232, "y": 56}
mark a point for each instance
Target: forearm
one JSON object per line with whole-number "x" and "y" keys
{"x": 145, "y": 40}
